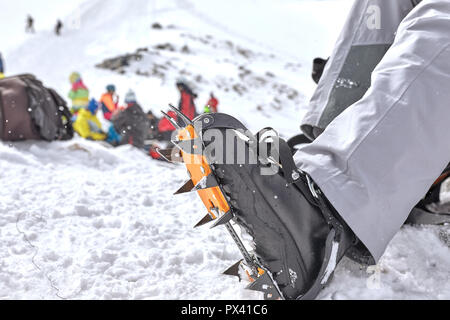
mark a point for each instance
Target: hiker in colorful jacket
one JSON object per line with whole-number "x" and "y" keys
{"x": 109, "y": 101}
{"x": 213, "y": 103}
{"x": 79, "y": 93}
{"x": 87, "y": 124}
{"x": 187, "y": 96}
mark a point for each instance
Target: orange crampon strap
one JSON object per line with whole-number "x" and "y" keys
{"x": 198, "y": 168}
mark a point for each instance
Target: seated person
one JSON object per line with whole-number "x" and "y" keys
{"x": 89, "y": 127}
{"x": 132, "y": 122}
{"x": 109, "y": 101}
{"x": 87, "y": 124}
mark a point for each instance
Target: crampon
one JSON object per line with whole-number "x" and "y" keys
{"x": 276, "y": 259}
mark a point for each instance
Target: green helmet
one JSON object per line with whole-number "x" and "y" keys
{"x": 74, "y": 77}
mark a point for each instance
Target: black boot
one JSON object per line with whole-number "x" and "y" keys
{"x": 298, "y": 237}
{"x": 297, "y": 242}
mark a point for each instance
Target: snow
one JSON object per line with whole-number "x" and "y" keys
{"x": 79, "y": 220}
{"x": 83, "y": 221}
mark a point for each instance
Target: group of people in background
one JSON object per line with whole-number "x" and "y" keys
{"x": 29, "y": 28}
{"x": 127, "y": 123}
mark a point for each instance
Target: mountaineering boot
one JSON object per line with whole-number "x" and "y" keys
{"x": 297, "y": 236}
{"x": 290, "y": 232}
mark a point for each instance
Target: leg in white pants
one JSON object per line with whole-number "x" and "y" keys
{"x": 377, "y": 159}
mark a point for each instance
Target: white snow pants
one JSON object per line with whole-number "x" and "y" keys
{"x": 379, "y": 157}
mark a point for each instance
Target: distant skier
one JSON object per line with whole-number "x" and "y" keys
{"x": 58, "y": 27}
{"x": 187, "y": 96}
{"x": 211, "y": 106}
{"x": 30, "y": 24}
{"x": 79, "y": 94}
{"x": 109, "y": 101}
{"x": 2, "y": 67}
{"x": 131, "y": 122}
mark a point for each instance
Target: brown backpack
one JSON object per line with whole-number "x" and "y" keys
{"x": 30, "y": 111}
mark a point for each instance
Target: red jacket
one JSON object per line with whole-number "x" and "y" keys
{"x": 164, "y": 125}
{"x": 187, "y": 105}
{"x": 213, "y": 103}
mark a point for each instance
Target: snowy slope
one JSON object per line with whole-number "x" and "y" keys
{"x": 106, "y": 29}
{"x": 81, "y": 221}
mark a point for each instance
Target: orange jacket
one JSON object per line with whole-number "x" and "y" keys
{"x": 108, "y": 102}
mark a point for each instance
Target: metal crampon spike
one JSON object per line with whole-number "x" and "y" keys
{"x": 234, "y": 270}
{"x": 187, "y": 187}
{"x": 171, "y": 120}
{"x": 207, "y": 182}
{"x": 224, "y": 219}
{"x": 264, "y": 284}
{"x": 170, "y": 155}
{"x": 205, "y": 220}
{"x": 182, "y": 116}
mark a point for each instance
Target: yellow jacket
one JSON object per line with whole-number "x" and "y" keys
{"x": 88, "y": 126}
{"x": 2, "y": 75}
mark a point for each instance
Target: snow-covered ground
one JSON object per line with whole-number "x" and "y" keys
{"x": 81, "y": 221}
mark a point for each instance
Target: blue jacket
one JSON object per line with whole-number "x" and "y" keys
{"x": 113, "y": 136}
